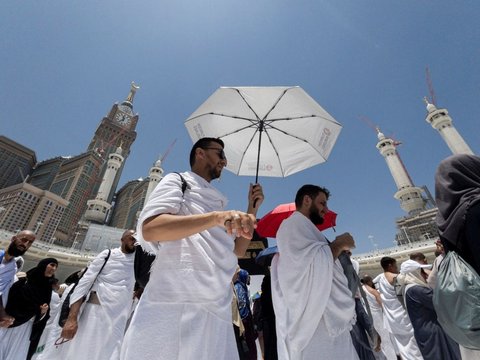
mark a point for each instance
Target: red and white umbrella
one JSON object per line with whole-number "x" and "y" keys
{"x": 269, "y": 224}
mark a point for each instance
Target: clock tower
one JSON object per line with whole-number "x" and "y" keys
{"x": 116, "y": 128}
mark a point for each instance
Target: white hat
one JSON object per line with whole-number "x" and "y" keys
{"x": 411, "y": 265}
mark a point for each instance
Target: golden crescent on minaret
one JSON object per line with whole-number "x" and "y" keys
{"x": 133, "y": 90}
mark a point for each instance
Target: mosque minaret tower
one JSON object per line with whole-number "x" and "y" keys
{"x": 98, "y": 208}
{"x": 155, "y": 175}
{"x": 442, "y": 122}
{"x": 410, "y": 196}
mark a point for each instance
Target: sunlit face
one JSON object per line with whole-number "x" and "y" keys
{"x": 50, "y": 270}
{"x": 216, "y": 160}
{"x": 21, "y": 243}
{"x": 318, "y": 208}
{"x": 128, "y": 242}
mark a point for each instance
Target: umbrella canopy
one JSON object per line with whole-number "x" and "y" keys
{"x": 267, "y": 131}
{"x": 269, "y": 224}
{"x": 264, "y": 257}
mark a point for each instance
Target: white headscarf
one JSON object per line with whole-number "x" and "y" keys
{"x": 410, "y": 273}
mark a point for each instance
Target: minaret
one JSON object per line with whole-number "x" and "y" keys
{"x": 97, "y": 209}
{"x": 442, "y": 122}
{"x": 155, "y": 175}
{"x": 409, "y": 195}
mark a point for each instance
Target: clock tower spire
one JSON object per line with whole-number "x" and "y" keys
{"x": 131, "y": 95}
{"x": 118, "y": 126}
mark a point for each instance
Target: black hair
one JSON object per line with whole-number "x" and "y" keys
{"x": 418, "y": 256}
{"x": 202, "y": 144}
{"x": 309, "y": 190}
{"x": 386, "y": 261}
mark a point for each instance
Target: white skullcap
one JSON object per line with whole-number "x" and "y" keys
{"x": 411, "y": 265}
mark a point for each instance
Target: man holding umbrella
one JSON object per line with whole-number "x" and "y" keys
{"x": 314, "y": 308}
{"x": 185, "y": 310}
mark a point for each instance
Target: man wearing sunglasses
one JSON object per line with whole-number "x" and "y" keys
{"x": 185, "y": 310}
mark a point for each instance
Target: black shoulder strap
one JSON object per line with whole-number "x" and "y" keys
{"x": 184, "y": 183}
{"x": 106, "y": 259}
{"x": 104, "y": 263}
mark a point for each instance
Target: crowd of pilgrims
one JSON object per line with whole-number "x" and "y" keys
{"x": 393, "y": 318}
{"x": 405, "y": 320}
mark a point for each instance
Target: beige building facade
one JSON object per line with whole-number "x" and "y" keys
{"x": 26, "y": 207}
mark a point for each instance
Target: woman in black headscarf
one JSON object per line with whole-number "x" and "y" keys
{"x": 457, "y": 193}
{"x": 28, "y": 301}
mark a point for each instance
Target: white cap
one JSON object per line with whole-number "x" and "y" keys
{"x": 411, "y": 265}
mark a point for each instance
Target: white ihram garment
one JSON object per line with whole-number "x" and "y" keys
{"x": 377, "y": 315}
{"x": 101, "y": 327}
{"x": 185, "y": 311}
{"x": 313, "y": 306}
{"x": 54, "y": 306}
{"x": 53, "y": 330}
{"x": 14, "y": 342}
{"x": 397, "y": 322}
{"x": 7, "y": 277}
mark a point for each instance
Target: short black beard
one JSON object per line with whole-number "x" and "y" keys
{"x": 14, "y": 251}
{"x": 214, "y": 174}
{"x": 314, "y": 217}
{"x": 128, "y": 250}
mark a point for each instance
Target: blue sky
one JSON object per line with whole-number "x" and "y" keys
{"x": 64, "y": 63}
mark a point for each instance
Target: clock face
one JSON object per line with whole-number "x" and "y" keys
{"x": 125, "y": 109}
{"x": 122, "y": 119}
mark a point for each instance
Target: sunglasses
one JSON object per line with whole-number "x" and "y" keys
{"x": 220, "y": 152}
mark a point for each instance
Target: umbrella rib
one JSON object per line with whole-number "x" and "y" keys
{"x": 276, "y": 152}
{"x": 246, "y": 102}
{"x": 236, "y": 131}
{"x": 276, "y": 103}
{"x": 269, "y": 121}
{"x": 245, "y": 151}
{"x": 253, "y": 121}
{"x": 293, "y": 136}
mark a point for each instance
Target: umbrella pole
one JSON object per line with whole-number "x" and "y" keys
{"x": 260, "y": 129}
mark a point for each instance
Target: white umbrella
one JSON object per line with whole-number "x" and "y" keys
{"x": 267, "y": 131}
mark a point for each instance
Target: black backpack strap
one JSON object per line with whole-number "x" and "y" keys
{"x": 184, "y": 183}
{"x": 104, "y": 263}
{"x": 65, "y": 307}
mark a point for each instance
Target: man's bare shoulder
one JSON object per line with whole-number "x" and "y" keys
{"x": 390, "y": 276}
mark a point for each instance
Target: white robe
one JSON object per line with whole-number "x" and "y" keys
{"x": 432, "y": 277}
{"x": 54, "y": 306}
{"x": 185, "y": 311}
{"x": 314, "y": 308}
{"x": 101, "y": 327}
{"x": 397, "y": 322}
{"x": 7, "y": 278}
{"x": 53, "y": 331}
{"x": 377, "y": 314}
{"x": 14, "y": 342}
